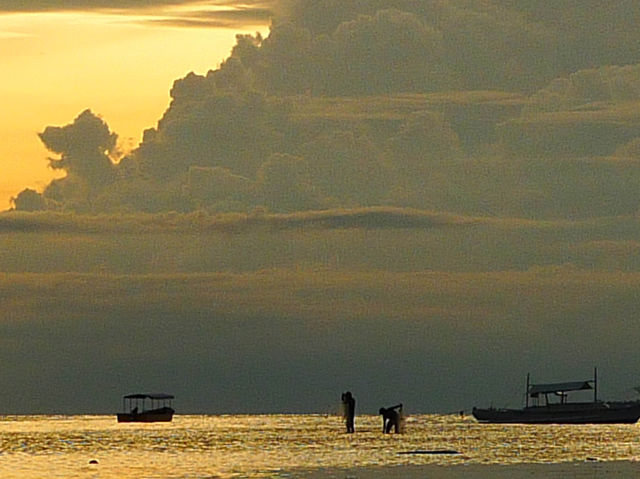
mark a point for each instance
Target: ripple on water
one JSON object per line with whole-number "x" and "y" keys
{"x": 31, "y": 447}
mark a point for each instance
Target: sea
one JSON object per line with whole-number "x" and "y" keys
{"x": 298, "y": 446}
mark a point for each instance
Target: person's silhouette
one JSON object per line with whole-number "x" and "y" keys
{"x": 349, "y": 408}
{"x": 391, "y": 418}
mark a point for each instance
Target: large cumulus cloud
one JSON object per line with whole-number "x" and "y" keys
{"x": 367, "y": 103}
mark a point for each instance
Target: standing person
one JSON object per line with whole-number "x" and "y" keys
{"x": 391, "y": 417}
{"x": 349, "y": 410}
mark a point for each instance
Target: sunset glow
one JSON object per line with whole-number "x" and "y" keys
{"x": 120, "y": 66}
{"x": 264, "y": 204}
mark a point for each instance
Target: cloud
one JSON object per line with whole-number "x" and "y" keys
{"x": 266, "y": 234}
{"x": 284, "y": 184}
{"x": 477, "y": 45}
{"x": 368, "y": 218}
{"x": 590, "y": 89}
{"x": 585, "y": 37}
{"x": 390, "y": 136}
{"x": 231, "y": 16}
{"x": 608, "y": 254}
{"x": 123, "y": 5}
{"x": 473, "y": 154}
{"x": 370, "y": 297}
{"x": 84, "y": 147}
{"x": 384, "y": 239}
{"x": 599, "y": 131}
{"x": 171, "y": 13}
{"x": 207, "y": 126}
{"x": 389, "y": 51}
{"x": 210, "y": 186}
{"x": 53, "y": 5}
{"x": 243, "y": 338}
{"x": 29, "y": 200}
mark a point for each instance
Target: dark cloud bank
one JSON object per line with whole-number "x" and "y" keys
{"x": 286, "y": 340}
{"x": 418, "y": 200}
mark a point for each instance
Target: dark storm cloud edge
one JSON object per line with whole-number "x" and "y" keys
{"x": 365, "y": 218}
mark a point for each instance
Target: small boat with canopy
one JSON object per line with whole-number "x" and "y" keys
{"x": 540, "y": 409}
{"x": 155, "y": 407}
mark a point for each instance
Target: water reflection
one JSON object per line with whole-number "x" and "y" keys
{"x": 34, "y": 447}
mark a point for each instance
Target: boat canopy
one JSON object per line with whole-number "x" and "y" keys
{"x": 156, "y": 396}
{"x": 536, "y": 389}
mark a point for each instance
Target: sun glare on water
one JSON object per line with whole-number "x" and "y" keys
{"x": 34, "y": 447}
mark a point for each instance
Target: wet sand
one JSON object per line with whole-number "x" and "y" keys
{"x": 573, "y": 470}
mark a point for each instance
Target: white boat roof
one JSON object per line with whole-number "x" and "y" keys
{"x": 536, "y": 389}
{"x": 149, "y": 396}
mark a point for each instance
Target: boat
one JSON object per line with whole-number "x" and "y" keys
{"x": 135, "y": 407}
{"x": 540, "y": 409}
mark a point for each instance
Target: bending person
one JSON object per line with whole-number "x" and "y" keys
{"x": 391, "y": 417}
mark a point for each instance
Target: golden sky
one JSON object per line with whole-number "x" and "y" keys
{"x": 375, "y": 230}
{"x": 121, "y": 66}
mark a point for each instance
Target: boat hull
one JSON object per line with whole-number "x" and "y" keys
{"x": 164, "y": 414}
{"x": 573, "y": 413}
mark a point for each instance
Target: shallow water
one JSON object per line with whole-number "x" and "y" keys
{"x": 277, "y": 445}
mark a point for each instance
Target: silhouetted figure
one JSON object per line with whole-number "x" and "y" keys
{"x": 391, "y": 418}
{"x": 349, "y": 410}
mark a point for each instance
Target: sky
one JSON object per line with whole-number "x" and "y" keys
{"x": 65, "y": 57}
{"x": 256, "y": 206}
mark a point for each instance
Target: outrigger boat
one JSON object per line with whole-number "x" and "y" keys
{"x": 160, "y": 408}
{"x": 539, "y": 411}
